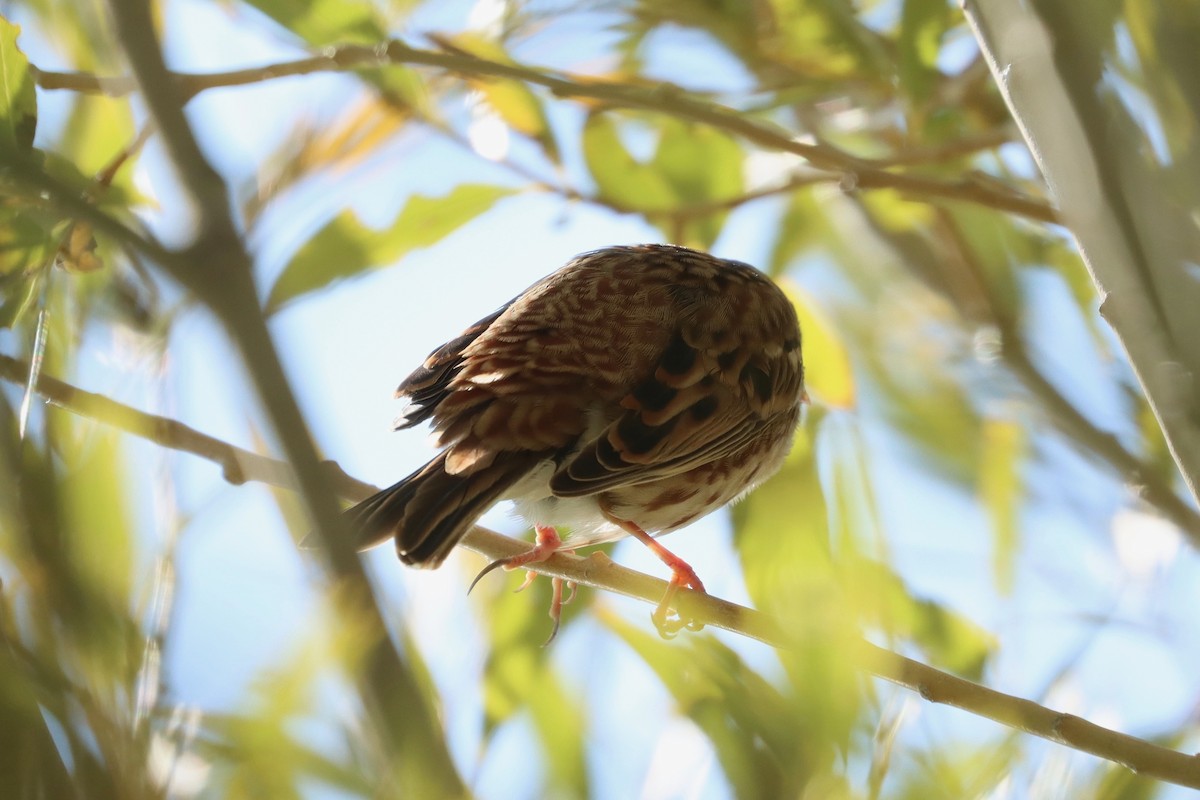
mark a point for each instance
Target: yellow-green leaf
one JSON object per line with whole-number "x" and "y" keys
{"x": 513, "y": 100}
{"x": 1000, "y": 488}
{"x": 346, "y": 247}
{"x": 740, "y": 712}
{"x": 18, "y": 100}
{"x": 24, "y": 243}
{"x": 620, "y": 178}
{"x": 323, "y": 22}
{"x": 922, "y": 25}
{"x": 827, "y": 370}
{"x": 701, "y": 165}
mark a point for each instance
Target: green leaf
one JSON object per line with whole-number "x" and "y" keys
{"x": 25, "y": 243}
{"x": 693, "y": 166}
{"x": 18, "y": 100}
{"x": 801, "y": 227}
{"x": 326, "y": 22}
{"x": 620, "y": 178}
{"x": 922, "y": 25}
{"x": 828, "y": 371}
{"x": 18, "y": 294}
{"x": 345, "y": 247}
{"x": 702, "y": 165}
{"x": 767, "y": 745}
{"x": 97, "y": 130}
{"x": 519, "y": 675}
{"x": 559, "y": 720}
{"x": 879, "y": 597}
{"x": 782, "y": 534}
{"x": 1001, "y": 490}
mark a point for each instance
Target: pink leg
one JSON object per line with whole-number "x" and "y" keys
{"x": 682, "y": 574}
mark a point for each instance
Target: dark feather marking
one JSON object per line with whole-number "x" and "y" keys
{"x": 703, "y": 408}
{"x": 653, "y": 395}
{"x": 679, "y": 357}
{"x": 640, "y": 438}
{"x": 759, "y": 379}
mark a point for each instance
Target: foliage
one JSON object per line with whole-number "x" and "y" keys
{"x": 979, "y": 482}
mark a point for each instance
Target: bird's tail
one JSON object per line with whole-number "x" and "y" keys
{"x": 428, "y": 512}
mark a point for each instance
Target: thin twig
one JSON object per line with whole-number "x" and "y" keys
{"x": 237, "y": 464}
{"x": 599, "y": 572}
{"x": 863, "y": 173}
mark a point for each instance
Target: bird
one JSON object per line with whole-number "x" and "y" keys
{"x": 633, "y": 391}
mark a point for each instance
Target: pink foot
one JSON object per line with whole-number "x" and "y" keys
{"x": 547, "y": 544}
{"x": 682, "y": 575}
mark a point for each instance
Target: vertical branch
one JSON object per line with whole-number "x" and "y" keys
{"x": 1047, "y": 60}
{"x": 217, "y": 268}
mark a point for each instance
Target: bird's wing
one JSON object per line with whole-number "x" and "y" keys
{"x": 707, "y": 398}
{"x": 429, "y": 383}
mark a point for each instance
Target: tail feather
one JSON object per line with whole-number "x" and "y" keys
{"x": 428, "y": 512}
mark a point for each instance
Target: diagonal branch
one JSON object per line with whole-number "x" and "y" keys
{"x": 599, "y": 572}
{"x": 858, "y": 172}
{"x": 217, "y": 268}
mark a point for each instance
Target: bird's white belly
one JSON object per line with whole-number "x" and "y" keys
{"x": 580, "y": 517}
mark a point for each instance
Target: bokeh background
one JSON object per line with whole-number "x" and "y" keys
{"x": 979, "y": 482}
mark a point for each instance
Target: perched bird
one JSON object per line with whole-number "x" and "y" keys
{"x": 631, "y": 392}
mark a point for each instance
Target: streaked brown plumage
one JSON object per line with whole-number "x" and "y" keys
{"x": 632, "y": 391}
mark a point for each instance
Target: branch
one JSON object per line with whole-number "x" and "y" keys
{"x": 1135, "y": 229}
{"x": 861, "y": 172}
{"x": 599, "y": 572}
{"x": 237, "y": 465}
{"x": 217, "y": 268}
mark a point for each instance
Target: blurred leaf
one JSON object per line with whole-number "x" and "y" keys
{"x": 345, "y": 247}
{"x": 560, "y": 722}
{"x": 326, "y": 22}
{"x": 896, "y": 213}
{"x": 766, "y": 744}
{"x": 781, "y": 531}
{"x": 519, "y": 675}
{"x": 25, "y": 243}
{"x": 922, "y": 25}
{"x": 261, "y": 741}
{"x": 18, "y": 100}
{"x": 827, "y": 370}
{"x": 825, "y": 39}
{"x": 98, "y": 129}
{"x": 997, "y": 246}
{"x": 802, "y": 227}
{"x": 1001, "y": 490}
{"x": 956, "y": 770}
{"x": 927, "y": 402}
{"x": 950, "y": 640}
{"x": 336, "y": 146}
{"x": 670, "y": 181}
{"x": 513, "y": 100}
{"x": 620, "y": 178}
{"x": 98, "y": 551}
{"x": 18, "y": 294}
{"x": 681, "y": 147}
{"x": 735, "y": 24}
